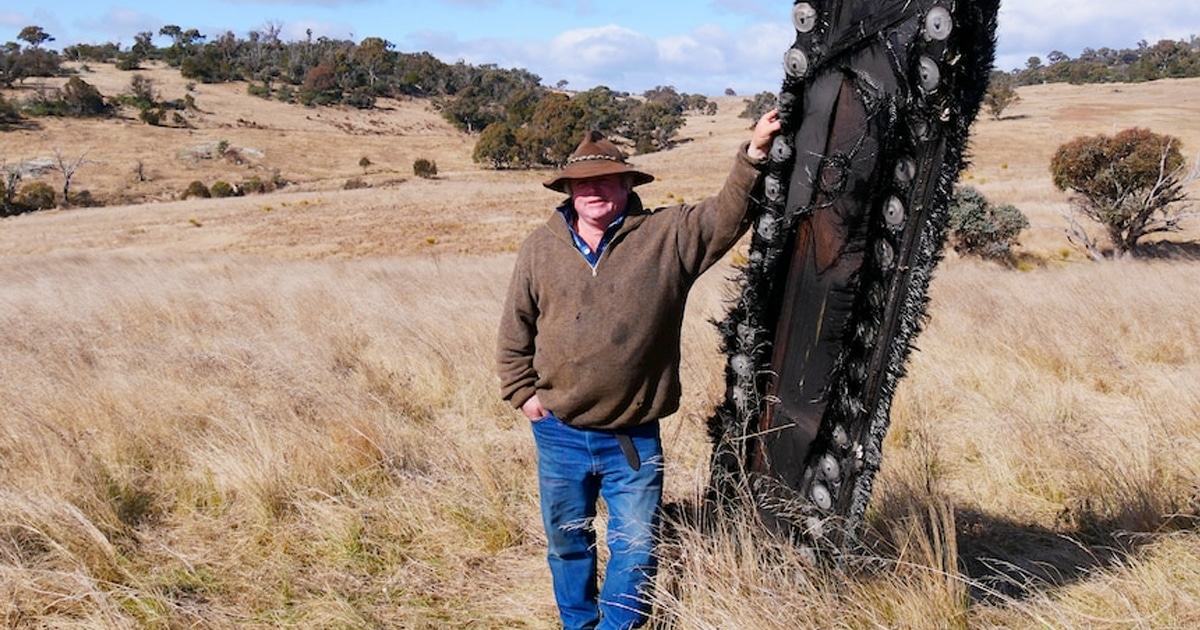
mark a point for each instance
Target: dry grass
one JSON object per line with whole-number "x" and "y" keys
{"x": 278, "y": 410}
{"x": 224, "y": 440}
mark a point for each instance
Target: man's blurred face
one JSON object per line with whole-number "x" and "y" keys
{"x": 599, "y": 200}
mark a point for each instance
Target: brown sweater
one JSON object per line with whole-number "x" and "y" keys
{"x": 601, "y": 348}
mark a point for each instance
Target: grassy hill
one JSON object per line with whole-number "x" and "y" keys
{"x": 278, "y": 410}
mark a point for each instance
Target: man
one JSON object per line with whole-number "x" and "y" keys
{"x": 588, "y": 350}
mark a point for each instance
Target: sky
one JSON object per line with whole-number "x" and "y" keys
{"x": 699, "y": 47}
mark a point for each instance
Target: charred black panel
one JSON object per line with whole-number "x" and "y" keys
{"x": 877, "y": 101}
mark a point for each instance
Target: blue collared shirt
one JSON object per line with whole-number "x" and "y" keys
{"x": 592, "y": 257}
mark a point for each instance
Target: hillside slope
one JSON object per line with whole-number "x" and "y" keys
{"x": 317, "y": 150}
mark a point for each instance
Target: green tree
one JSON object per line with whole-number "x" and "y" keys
{"x": 668, "y": 98}
{"x": 1166, "y": 59}
{"x": 375, "y": 58}
{"x": 99, "y": 53}
{"x": 604, "y": 109}
{"x": 34, "y": 36}
{"x": 762, "y": 103}
{"x": 142, "y": 49}
{"x": 497, "y": 146}
{"x": 183, "y": 43}
{"x": 10, "y": 64}
{"x": 557, "y": 126}
{"x": 38, "y": 62}
{"x": 521, "y": 105}
{"x": 652, "y": 126}
{"x": 480, "y": 94}
{"x": 1001, "y": 94}
{"x": 17, "y": 64}
{"x": 1132, "y": 183}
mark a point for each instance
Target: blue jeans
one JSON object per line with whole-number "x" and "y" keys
{"x": 575, "y": 466}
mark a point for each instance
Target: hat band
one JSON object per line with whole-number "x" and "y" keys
{"x": 594, "y": 156}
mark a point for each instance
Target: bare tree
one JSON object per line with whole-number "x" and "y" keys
{"x": 1078, "y": 235}
{"x": 12, "y": 175}
{"x": 68, "y": 169}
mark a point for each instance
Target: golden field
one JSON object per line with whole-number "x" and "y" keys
{"x": 278, "y": 410}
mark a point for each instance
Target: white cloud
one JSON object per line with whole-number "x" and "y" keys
{"x": 706, "y": 60}
{"x": 604, "y": 48}
{"x": 687, "y": 53}
{"x": 119, "y": 25}
{"x": 1034, "y": 28}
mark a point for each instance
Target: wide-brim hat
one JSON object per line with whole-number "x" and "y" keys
{"x": 596, "y": 156}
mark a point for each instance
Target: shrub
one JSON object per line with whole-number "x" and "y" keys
{"x": 361, "y": 98}
{"x": 9, "y": 113}
{"x": 285, "y": 94}
{"x": 36, "y": 196}
{"x": 84, "y": 199}
{"x": 255, "y": 185}
{"x": 151, "y": 116}
{"x": 320, "y": 86}
{"x": 43, "y": 103}
{"x": 196, "y": 189}
{"x": 128, "y": 62}
{"x": 355, "y": 183}
{"x": 82, "y": 99}
{"x": 425, "y": 168}
{"x": 277, "y": 180}
{"x": 979, "y": 228}
{"x": 141, "y": 91}
{"x": 222, "y": 189}
{"x": 261, "y": 91}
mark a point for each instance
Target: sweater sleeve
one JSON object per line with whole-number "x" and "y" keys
{"x": 515, "y": 342}
{"x": 711, "y": 227}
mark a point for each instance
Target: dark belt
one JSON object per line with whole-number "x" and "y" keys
{"x": 631, "y": 454}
